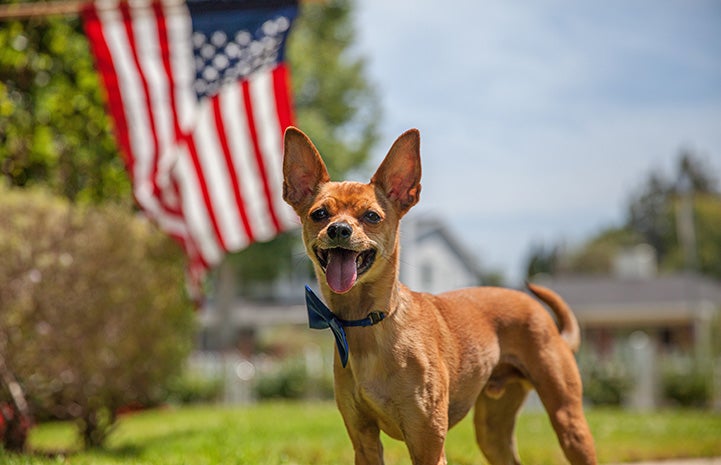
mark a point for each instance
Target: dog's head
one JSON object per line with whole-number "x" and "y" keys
{"x": 350, "y": 229}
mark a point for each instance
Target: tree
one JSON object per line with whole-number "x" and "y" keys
{"x": 541, "y": 260}
{"x": 678, "y": 216}
{"x": 53, "y": 127}
{"x": 335, "y": 102}
{"x": 648, "y": 213}
{"x": 660, "y": 214}
{"x": 706, "y": 214}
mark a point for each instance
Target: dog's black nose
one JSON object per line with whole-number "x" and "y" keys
{"x": 339, "y": 231}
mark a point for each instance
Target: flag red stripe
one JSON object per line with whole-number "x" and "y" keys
{"x": 281, "y": 88}
{"x": 248, "y": 103}
{"x": 104, "y": 60}
{"x": 230, "y": 165}
{"x": 203, "y": 184}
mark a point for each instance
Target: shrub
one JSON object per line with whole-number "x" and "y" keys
{"x": 605, "y": 383}
{"x": 290, "y": 380}
{"x": 686, "y": 385}
{"x": 92, "y": 312}
{"x": 190, "y": 389}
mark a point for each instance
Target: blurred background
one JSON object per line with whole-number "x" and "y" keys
{"x": 577, "y": 145}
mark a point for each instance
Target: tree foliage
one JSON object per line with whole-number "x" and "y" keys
{"x": 53, "y": 127}
{"x": 335, "y": 102}
{"x": 92, "y": 312}
{"x": 655, "y": 216}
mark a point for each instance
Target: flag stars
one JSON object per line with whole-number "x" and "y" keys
{"x": 243, "y": 38}
{"x": 223, "y": 56}
{"x": 219, "y": 38}
{"x": 210, "y": 74}
{"x": 220, "y": 62}
{"x": 198, "y": 39}
{"x": 207, "y": 51}
{"x": 233, "y": 50}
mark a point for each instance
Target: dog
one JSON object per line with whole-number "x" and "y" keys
{"x": 419, "y": 369}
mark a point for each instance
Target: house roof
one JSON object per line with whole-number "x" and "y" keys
{"x": 429, "y": 228}
{"x": 658, "y": 300}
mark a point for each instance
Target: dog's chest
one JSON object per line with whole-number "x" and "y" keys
{"x": 393, "y": 389}
{"x": 375, "y": 396}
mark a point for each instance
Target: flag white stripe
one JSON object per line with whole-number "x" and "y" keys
{"x": 241, "y": 145}
{"x": 266, "y": 116}
{"x": 151, "y": 62}
{"x": 199, "y": 224}
{"x": 180, "y": 27}
{"x": 137, "y": 119}
{"x": 228, "y": 101}
{"x": 220, "y": 188}
{"x": 135, "y": 113}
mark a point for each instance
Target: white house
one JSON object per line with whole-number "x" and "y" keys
{"x": 433, "y": 259}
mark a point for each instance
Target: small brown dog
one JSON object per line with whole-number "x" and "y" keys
{"x": 419, "y": 371}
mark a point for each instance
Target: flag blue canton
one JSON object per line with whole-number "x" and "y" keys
{"x": 233, "y": 42}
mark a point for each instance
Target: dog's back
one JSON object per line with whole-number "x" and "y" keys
{"x": 517, "y": 308}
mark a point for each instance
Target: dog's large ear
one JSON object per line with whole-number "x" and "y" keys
{"x": 399, "y": 175}
{"x": 303, "y": 169}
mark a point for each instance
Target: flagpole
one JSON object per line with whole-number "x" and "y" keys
{"x": 27, "y": 10}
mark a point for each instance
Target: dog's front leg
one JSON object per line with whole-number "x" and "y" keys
{"x": 426, "y": 439}
{"x": 362, "y": 428}
{"x": 364, "y": 433}
{"x": 366, "y": 444}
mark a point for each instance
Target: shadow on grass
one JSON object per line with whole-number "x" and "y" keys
{"x": 123, "y": 450}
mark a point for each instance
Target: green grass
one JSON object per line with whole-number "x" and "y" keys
{"x": 313, "y": 433}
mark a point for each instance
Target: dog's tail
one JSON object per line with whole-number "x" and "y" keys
{"x": 566, "y": 319}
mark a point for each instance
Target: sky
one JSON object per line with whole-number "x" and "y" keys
{"x": 539, "y": 120}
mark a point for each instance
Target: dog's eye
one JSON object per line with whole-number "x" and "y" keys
{"x": 372, "y": 217}
{"x": 319, "y": 215}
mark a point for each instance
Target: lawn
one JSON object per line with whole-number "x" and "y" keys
{"x": 313, "y": 433}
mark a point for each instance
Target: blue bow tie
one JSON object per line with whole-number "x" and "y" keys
{"x": 320, "y": 317}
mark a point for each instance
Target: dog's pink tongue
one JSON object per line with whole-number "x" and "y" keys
{"x": 341, "y": 270}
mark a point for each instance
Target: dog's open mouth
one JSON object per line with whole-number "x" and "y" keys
{"x": 343, "y": 266}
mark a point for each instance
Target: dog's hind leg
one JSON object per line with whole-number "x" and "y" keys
{"x": 561, "y": 393}
{"x": 495, "y": 419}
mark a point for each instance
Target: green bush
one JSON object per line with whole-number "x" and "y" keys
{"x": 290, "y": 380}
{"x": 191, "y": 389}
{"x": 605, "y": 383}
{"x": 686, "y": 385}
{"x": 92, "y": 312}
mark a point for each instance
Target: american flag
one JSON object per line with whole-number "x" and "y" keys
{"x": 199, "y": 95}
